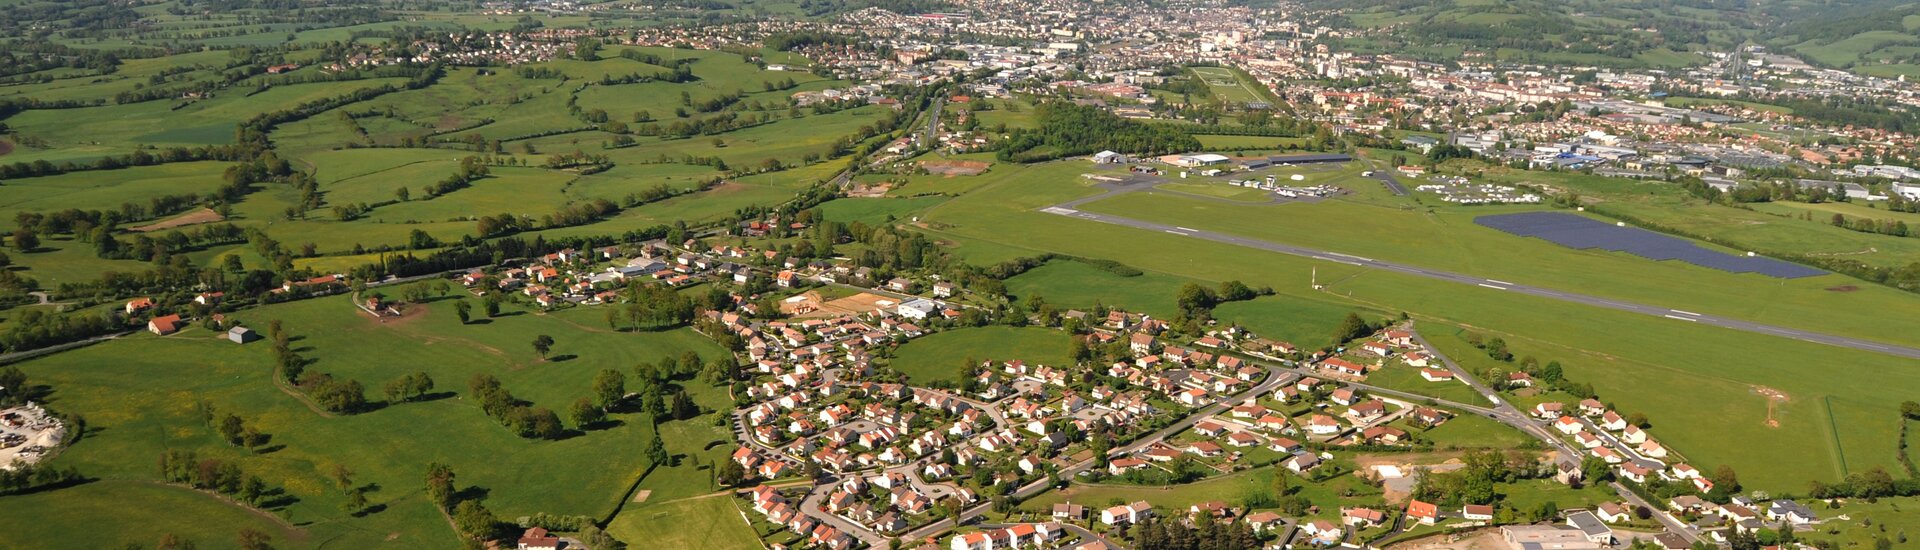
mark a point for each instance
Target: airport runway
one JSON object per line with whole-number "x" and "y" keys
{"x": 1675, "y": 314}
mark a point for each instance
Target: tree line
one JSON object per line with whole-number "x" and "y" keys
{"x": 1068, "y": 129}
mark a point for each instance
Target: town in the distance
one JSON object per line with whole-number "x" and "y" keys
{"x": 959, "y": 274}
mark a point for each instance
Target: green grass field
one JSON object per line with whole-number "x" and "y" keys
{"x": 160, "y": 511}
{"x": 1304, "y": 321}
{"x": 699, "y": 522}
{"x": 1867, "y": 522}
{"x": 1230, "y": 85}
{"x": 143, "y": 403}
{"x": 1070, "y": 284}
{"x": 942, "y": 355}
{"x": 1248, "y": 143}
{"x": 876, "y": 211}
{"x": 107, "y": 190}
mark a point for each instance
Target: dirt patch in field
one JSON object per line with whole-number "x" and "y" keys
{"x": 952, "y": 168}
{"x": 196, "y": 217}
{"x": 869, "y": 191}
{"x": 806, "y": 304}
{"x": 1481, "y": 539}
{"x": 857, "y": 304}
{"x": 5, "y": 147}
{"x": 1843, "y": 288}
{"x": 641, "y": 495}
{"x": 1774, "y": 399}
{"x": 409, "y": 314}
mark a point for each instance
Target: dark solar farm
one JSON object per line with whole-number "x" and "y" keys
{"x": 1579, "y": 232}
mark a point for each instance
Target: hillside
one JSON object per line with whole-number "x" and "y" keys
{"x": 1636, "y": 33}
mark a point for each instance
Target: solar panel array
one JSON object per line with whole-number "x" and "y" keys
{"x": 1580, "y": 232}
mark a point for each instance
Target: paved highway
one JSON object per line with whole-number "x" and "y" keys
{"x": 1675, "y": 314}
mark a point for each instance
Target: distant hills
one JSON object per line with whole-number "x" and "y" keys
{"x": 1874, "y": 36}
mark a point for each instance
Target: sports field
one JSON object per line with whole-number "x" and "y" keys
{"x": 1231, "y": 85}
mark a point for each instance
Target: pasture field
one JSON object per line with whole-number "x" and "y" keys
{"x": 941, "y": 355}
{"x": 1013, "y": 113}
{"x": 141, "y": 393}
{"x": 133, "y": 74}
{"x": 1470, "y": 431}
{"x": 108, "y": 189}
{"x": 699, "y": 522}
{"x": 1069, "y": 284}
{"x": 121, "y": 128}
{"x": 490, "y": 104}
{"x": 1633, "y": 360}
{"x": 1866, "y": 522}
{"x": 1248, "y": 143}
{"x": 1401, "y": 377}
{"x": 1305, "y": 321}
{"x": 1530, "y": 494}
{"x": 73, "y": 516}
{"x": 64, "y": 259}
{"x": 1823, "y": 212}
{"x": 876, "y": 211}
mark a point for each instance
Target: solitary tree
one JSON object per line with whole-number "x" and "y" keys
{"x": 542, "y": 344}
{"x": 463, "y": 310}
{"x": 656, "y": 450}
{"x": 25, "y": 241}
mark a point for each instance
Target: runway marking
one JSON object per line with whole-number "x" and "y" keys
{"x": 1687, "y": 319}
{"x": 1493, "y": 287}
{"x": 1499, "y": 282}
{"x": 1686, "y": 313}
{"x": 1185, "y": 229}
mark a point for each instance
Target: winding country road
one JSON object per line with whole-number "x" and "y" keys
{"x": 1068, "y": 209}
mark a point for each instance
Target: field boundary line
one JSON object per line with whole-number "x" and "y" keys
{"x": 1833, "y": 435}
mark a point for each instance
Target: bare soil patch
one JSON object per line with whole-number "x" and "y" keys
{"x": 1482, "y": 539}
{"x": 1774, "y": 399}
{"x": 952, "y": 168}
{"x": 196, "y": 217}
{"x": 869, "y": 191}
{"x": 857, "y": 304}
{"x": 1843, "y": 288}
{"x": 641, "y": 495}
{"x": 5, "y": 147}
{"x": 806, "y": 304}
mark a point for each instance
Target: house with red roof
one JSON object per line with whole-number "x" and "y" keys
{"x": 165, "y": 325}
{"x": 1426, "y": 513}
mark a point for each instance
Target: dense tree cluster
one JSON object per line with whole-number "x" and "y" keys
{"x": 517, "y": 415}
{"x": 1205, "y": 534}
{"x": 1068, "y": 129}
{"x": 212, "y": 474}
{"x": 1197, "y": 301}
{"x": 36, "y": 328}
